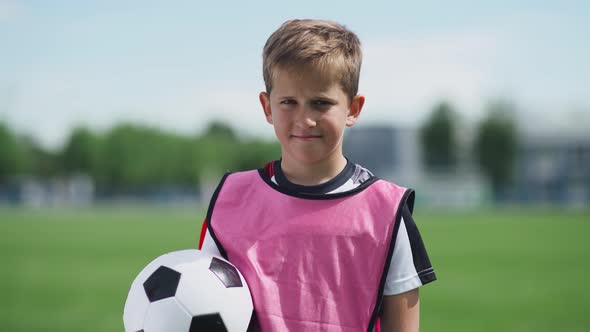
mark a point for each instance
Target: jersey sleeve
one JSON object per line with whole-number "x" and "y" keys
{"x": 410, "y": 266}
{"x": 206, "y": 242}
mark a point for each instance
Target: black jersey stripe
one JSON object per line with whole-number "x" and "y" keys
{"x": 326, "y": 187}
{"x": 419, "y": 255}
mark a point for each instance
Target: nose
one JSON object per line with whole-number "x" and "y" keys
{"x": 305, "y": 118}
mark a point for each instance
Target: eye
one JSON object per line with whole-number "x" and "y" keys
{"x": 321, "y": 103}
{"x": 288, "y": 102}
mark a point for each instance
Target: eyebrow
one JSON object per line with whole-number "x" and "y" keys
{"x": 324, "y": 97}
{"x": 320, "y": 96}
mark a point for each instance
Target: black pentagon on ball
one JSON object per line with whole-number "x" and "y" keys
{"x": 161, "y": 284}
{"x": 226, "y": 272}
{"x": 208, "y": 323}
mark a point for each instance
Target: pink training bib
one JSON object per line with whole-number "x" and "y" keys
{"x": 313, "y": 263}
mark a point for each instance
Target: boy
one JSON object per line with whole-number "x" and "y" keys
{"x": 323, "y": 244}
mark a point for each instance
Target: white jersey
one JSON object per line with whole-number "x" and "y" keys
{"x": 410, "y": 266}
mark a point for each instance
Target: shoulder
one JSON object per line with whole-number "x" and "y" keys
{"x": 242, "y": 175}
{"x": 362, "y": 174}
{"x": 407, "y": 195}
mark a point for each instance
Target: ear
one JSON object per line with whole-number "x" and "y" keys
{"x": 265, "y": 102}
{"x": 355, "y": 110}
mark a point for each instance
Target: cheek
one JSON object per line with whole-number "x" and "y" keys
{"x": 335, "y": 122}
{"x": 281, "y": 117}
{"x": 281, "y": 126}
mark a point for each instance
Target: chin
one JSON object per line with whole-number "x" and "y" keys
{"x": 310, "y": 156}
{"x": 313, "y": 158}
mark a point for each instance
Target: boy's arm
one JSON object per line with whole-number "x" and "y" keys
{"x": 401, "y": 312}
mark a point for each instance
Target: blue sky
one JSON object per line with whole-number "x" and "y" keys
{"x": 180, "y": 64}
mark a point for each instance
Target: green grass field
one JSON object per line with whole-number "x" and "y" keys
{"x": 509, "y": 270}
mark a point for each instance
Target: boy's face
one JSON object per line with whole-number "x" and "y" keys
{"x": 309, "y": 114}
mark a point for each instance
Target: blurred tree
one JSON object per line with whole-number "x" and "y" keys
{"x": 132, "y": 157}
{"x": 80, "y": 153}
{"x": 218, "y": 129}
{"x": 40, "y": 162}
{"x": 496, "y": 144}
{"x": 129, "y": 157}
{"x": 218, "y": 149}
{"x": 12, "y": 158}
{"x": 256, "y": 153}
{"x": 217, "y": 154}
{"x": 437, "y": 135}
{"x": 137, "y": 157}
{"x": 189, "y": 163}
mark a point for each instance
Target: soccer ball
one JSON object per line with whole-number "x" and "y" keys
{"x": 188, "y": 291}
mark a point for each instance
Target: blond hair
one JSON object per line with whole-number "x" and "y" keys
{"x": 318, "y": 45}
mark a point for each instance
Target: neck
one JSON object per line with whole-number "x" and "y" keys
{"x": 311, "y": 174}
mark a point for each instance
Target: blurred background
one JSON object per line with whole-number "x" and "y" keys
{"x": 117, "y": 119}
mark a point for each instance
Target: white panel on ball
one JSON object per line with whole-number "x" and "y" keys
{"x": 136, "y": 307}
{"x": 176, "y": 258}
{"x": 238, "y": 315}
{"x": 204, "y": 293}
{"x": 201, "y": 293}
{"x": 167, "y": 316}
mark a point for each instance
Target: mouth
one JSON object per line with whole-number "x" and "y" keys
{"x": 306, "y": 137}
